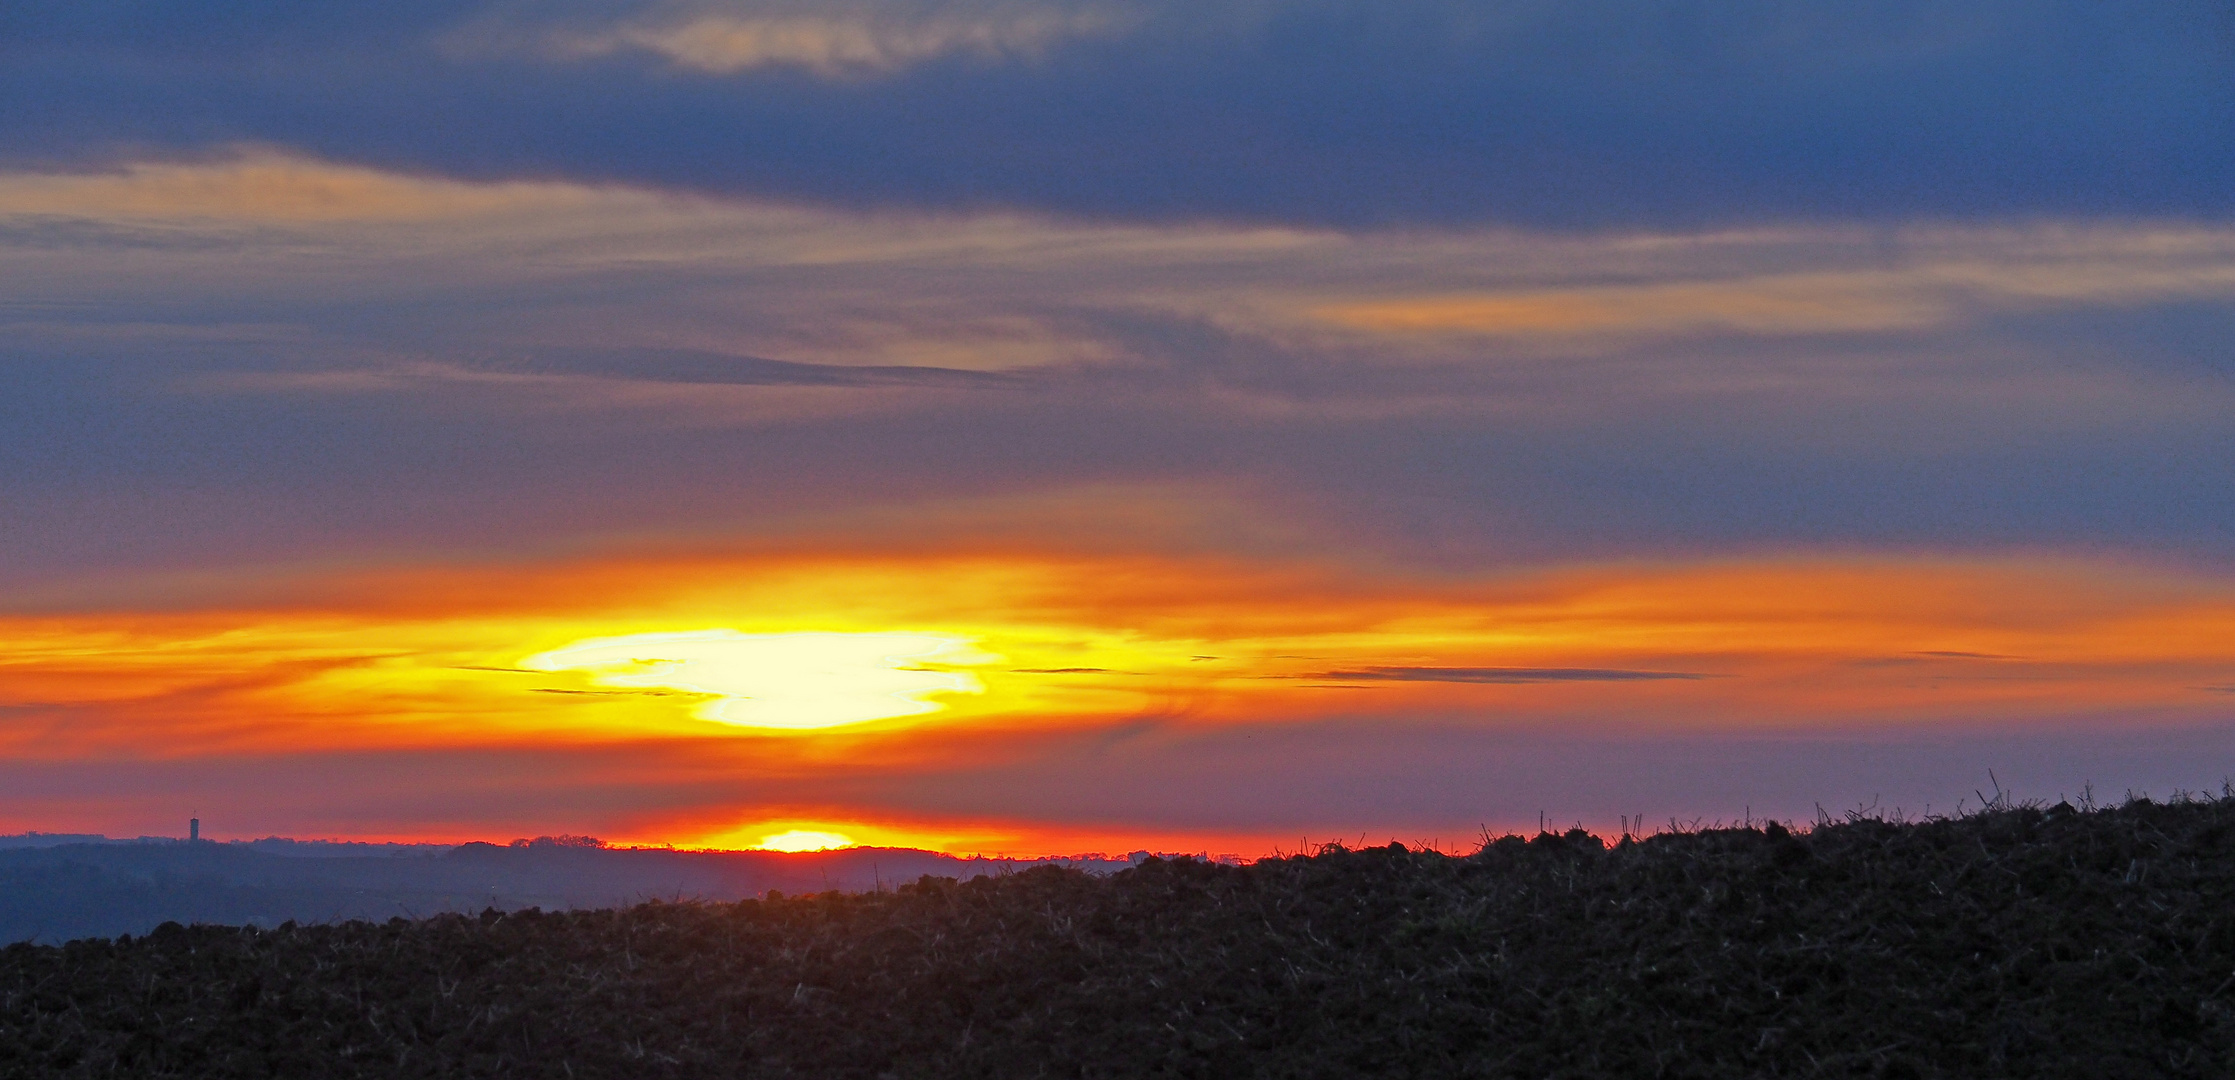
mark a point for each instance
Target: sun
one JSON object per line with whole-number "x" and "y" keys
{"x": 798, "y": 681}
{"x": 797, "y": 840}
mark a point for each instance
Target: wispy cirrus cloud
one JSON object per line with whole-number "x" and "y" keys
{"x": 843, "y": 41}
{"x": 1329, "y": 112}
{"x": 1005, "y": 290}
{"x": 1981, "y": 381}
{"x": 1497, "y": 675}
{"x": 254, "y": 185}
{"x": 1936, "y": 277}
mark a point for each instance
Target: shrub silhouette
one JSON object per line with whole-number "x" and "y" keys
{"x": 2019, "y": 942}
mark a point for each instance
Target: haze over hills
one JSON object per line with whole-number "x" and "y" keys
{"x": 61, "y": 887}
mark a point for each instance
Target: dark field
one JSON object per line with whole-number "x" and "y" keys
{"x": 2014, "y": 943}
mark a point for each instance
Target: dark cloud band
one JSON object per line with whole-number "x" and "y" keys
{"x": 1590, "y": 113}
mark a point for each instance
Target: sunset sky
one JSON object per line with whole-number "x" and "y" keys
{"x": 1027, "y": 427}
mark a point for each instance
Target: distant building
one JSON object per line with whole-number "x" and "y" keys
{"x": 193, "y": 829}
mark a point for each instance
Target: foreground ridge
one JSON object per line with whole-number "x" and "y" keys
{"x": 2016, "y": 942}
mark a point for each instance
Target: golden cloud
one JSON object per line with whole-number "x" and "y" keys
{"x": 831, "y": 40}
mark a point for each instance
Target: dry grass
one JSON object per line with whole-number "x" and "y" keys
{"x": 2019, "y": 942}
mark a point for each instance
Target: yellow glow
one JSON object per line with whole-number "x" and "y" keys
{"x": 799, "y": 681}
{"x": 804, "y": 840}
{"x": 1149, "y": 650}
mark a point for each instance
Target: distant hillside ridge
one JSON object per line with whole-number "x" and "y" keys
{"x": 56, "y": 893}
{"x": 2022, "y": 941}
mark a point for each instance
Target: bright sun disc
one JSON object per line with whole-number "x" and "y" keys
{"x": 803, "y": 680}
{"x": 803, "y": 840}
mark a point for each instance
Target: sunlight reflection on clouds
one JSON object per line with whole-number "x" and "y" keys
{"x": 803, "y": 680}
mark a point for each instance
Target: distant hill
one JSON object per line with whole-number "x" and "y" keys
{"x": 95, "y": 887}
{"x": 2019, "y": 943}
{"x": 40, "y": 839}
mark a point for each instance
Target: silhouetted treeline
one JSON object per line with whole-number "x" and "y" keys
{"x": 2021, "y": 942}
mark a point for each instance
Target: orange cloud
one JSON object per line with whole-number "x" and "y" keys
{"x": 840, "y": 45}
{"x": 1010, "y": 293}
{"x": 442, "y": 660}
{"x": 260, "y": 186}
{"x": 1931, "y": 294}
{"x": 1827, "y": 303}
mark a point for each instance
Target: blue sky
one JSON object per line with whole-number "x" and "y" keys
{"x": 1457, "y": 292}
{"x": 1560, "y": 115}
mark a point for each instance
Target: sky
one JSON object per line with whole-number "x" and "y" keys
{"x": 1036, "y": 427}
